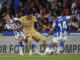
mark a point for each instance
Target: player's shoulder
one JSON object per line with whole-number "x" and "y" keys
{"x": 68, "y": 17}
{"x": 59, "y": 19}
{"x": 34, "y": 17}
{"x": 23, "y": 17}
{"x": 15, "y": 19}
{"x": 63, "y": 18}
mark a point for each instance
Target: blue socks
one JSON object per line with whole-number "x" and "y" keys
{"x": 49, "y": 46}
{"x": 61, "y": 44}
{"x": 32, "y": 46}
{"x": 20, "y": 43}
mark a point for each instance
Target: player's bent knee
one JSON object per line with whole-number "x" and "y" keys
{"x": 29, "y": 39}
{"x": 52, "y": 43}
{"x": 20, "y": 38}
{"x": 44, "y": 41}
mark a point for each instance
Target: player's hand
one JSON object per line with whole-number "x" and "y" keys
{"x": 11, "y": 22}
{"x": 46, "y": 27}
{"x": 14, "y": 29}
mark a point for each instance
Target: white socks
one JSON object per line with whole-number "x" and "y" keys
{"x": 20, "y": 51}
{"x": 59, "y": 49}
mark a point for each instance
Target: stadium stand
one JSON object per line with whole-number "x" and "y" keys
{"x": 43, "y": 10}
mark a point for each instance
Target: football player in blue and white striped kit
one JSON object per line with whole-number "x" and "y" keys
{"x": 61, "y": 26}
{"x": 17, "y": 29}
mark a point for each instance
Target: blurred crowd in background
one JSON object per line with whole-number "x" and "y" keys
{"x": 43, "y": 10}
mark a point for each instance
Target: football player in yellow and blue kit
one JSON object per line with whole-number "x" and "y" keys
{"x": 30, "y": 32}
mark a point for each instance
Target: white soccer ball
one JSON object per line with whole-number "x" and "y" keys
{"x": 50, "y": 52}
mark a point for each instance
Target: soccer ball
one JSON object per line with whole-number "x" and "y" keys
{"x": 50, "y": 52}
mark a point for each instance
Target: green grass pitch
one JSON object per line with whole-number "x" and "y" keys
{"x": 38, "y": 57}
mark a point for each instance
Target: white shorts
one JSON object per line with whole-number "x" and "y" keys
{"x": 59, "y": 39}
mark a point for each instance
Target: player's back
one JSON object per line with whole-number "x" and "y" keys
{"x": 61, "y": 25}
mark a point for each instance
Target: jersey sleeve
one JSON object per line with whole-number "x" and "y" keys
{"x": 21, "y": 19}
{"x": 68, "y": 17}
{"x": 7, "y": 27}
{"x": 35, "y": 19}
{"x": 14, "y": 19}
{"x": 54, "y": 25}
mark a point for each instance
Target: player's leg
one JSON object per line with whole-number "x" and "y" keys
{"x": 60, "y": 44}
{"x": 51, "y": 44}
{"x": 29, "y": 42}
{"x": 49, "y": 47}
{"x": 37, "y": 37}
{"x": 44, "y": 42}
{"x": 20, "y": 38}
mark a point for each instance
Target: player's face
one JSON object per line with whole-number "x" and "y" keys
{"x": 7, "y": 18}
{"x": 29, "y": 17}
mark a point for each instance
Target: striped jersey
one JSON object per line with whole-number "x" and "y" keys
{"x": 9, "y": 26}
{"x": 61, "y": 26}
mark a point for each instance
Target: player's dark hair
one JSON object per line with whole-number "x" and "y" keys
{"x": 58, "y": 6}
{"x": 58, "y": 12}
{"x": 29, "y": 12}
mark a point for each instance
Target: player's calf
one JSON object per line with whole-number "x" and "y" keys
{"x": 20, "y": 44}
{"x": 48, "y": 49}
{"x": 44, "y": 43}
{"x": 60, "y": 46}
{"x": 29, "y": 42}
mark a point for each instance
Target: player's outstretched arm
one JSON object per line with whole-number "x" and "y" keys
{"x": 20, "y": 26}
{"x": 41, "y": 24}
{"x": 73, "y": 16}
{"x": 69, "y": 18}
{"x": 51, "y": 30}
{"x": 44, "y": 26}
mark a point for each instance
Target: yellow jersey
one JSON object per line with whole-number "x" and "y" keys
{"x": 28, "y": 25}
